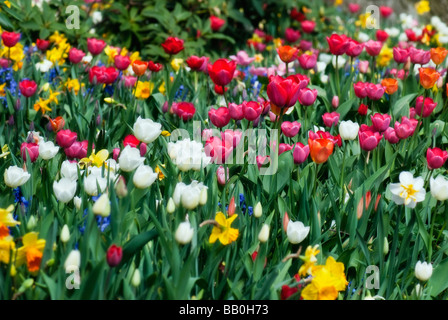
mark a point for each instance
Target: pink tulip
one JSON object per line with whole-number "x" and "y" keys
{"x": 307, "y": 96}
{"x": 406, "y": 128}
{"x": 292, "y": 35}
{"x": 353, "y": 7}
{"x": 300, "y": 153}
{"x": 95, "y": 46}
{"x": 283, "y": 147}
{"x": 251, "y": 110}
{"x": 436, "y": 158}
{"x": 218, "y": 149}
{"x": 75, "y": 55}
{"x": 400, "y": 55}
{"x": 65, "y": 138}
{"x": 330, "y": 119}
{"x": 419, "y": 56}
{"x": 308, "y": 26}
{"x": 122, "y": 62}
{"x": 374, "y": 91}
{"x": 360, "y": 89}
{"x": 116, "y": 153}
{"x": 335, "y": 101}
{"x": 220, "y": 174}
{"x": 290, "y": 129}
{"x": 231, "y": 137}
{"x": 236, "y": 111}
{"x": 428, "y": 107}
{"x": 373, "y": 48}
{"x": 32, "y": 149}
{"x": 391, "y": 136}
{"x": 27, "y": 87}
{"x": 219, "y": 117}
{"x": 381, "y": 121}
{"x": 307, "y": 61}
{"x": 355, "y": 48}
{"x": 363, "y": 66}
{"x": 369, "y": 140}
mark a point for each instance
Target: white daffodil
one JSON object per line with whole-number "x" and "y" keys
{"x": 409, "y": 190}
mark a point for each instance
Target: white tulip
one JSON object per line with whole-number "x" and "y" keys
{"x": 65, "y": 234}
{"x": 348, "y": 130}
{"x": 130, "y": 159}
{"x": 15, "y": 176}
{"x": 69, "y": 170}
{"x": 64, "y": 189}
{"x": 423, "y": 271}
{"x": 73, "y": 260}
{"x": 263, "y": 236}
{"x": 203, "y": 196}
{"x": 170, "y": 206}
{"x": 136, "y": 278}
{"x": 439, "y": 188}
{"x": 147, "y": 130}
{"x": 258, "y": 210}
{"x": 102, "y": 206}
{"x": 178, "y": 190}
{"x": 144, "y": 177}
{"x": 296, "y": 232}
{"x": 184, "y": 233}
{"x": 47, "y": 150}
{"x": 31, "y": 224}
{"x": 90, "y": 184}
{"x": 78, "y": 202}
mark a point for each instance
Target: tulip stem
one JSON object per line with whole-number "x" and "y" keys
{"x": 224, "y": 95}
{"x": 341, "y": 183}
{"x": 286, "y": 69}
{"x": 431, "y": 232}
{"x": 338, "y": 89}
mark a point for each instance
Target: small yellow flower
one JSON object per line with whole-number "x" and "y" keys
{"x": 2, "y": 90}
{"x": 7, "y": 246}
{"x": 162, "y": 88}
{"x": 277, "y": 42}
{"x": 110, "y": 100}
{"x": 165, "y": 133}
{"x": 176, "y": 63}
{"x": 96, "y": 159}
{"x": 31, "y": 251}
{"x": 73, "y": 85}
{"x": 422, "y": 7}
{"x": 6, "y": 220}
{"x": 225, "y": 233}
{"x": 144, "y": 89}
{"x": 385, "y": 56}
{"x": 258, "y": 57}
{"x": 338, "y": 2}
{"x": 42, "y": 105}
{"x": 159, "y": 172}
{"x": 309, "y": 260}
{"x": 5, "y": 151}
{"x": 111, "y": 52}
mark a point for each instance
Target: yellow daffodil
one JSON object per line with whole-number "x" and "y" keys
{"x": 277, "y": 42}
{"x": 52, "y": 97}
{"x": 42, "y": 105}
{"x": 5, "y": 151}
{"x": 176, "y": 64}
{"x": 327, "y": 281}
{"x": 144, "y": 89}
{"x": 96, "y": 159}
{"x": 7, "y": 246}
{"x": 309, "y": 260}
{"x": 135, "y": 56}
{"x": 2, "y": 90}
{"x": 159, "y": 172}
{"x": 162, "y": 88}
{"x": 6, "y": 220}
{"x": 16, "y": 54}
{"x": 362, "y": 22}
{"x": 422, "y": 7}
{"x": 57, "y": 38}
{"x": 224, "y": 232}
{"x": 385, "y": 56}
{"x": 73, "y": 85}
{"x": 31, "y": 251}
{"x": 111, "y": 52}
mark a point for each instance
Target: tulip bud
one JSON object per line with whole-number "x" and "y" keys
{"x": 114, "y": 255}
{"x": 78, "y": 202}
{"x": 102, "y": 206}
{"x": 258, "y": 210}
{"x": 335, "y": 102}
{"x": 28, "y": 283}
{"x": 386, "y": 246}
{"x": 31, "y": 224}
{"x": 263, "y": 236}
{"x": 423, "y": 270}
{"x": 73, "y": 260}
{"x": 136, "y": 278}
{"x": 184, "y": 233}
{"x": 203, "y": 196}
{"x": 170, "y": 207}
{"x": 65, "y": 234}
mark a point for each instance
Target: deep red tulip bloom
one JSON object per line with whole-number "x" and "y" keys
{"x": 283, "y": 92}
{"x": 362, "y": 110}
{"x": 222, "y": 71}
{"x": 122, "y": 62}
{"x": 65, "y": 138}
{"x": 219, "y": 117}
{"x": 381, "y": 35}
{"x": 27, "y": 87}
{"x": 386, "y": 11}
{"x": 173, "y": 45}
{"x": 32, "y": 149}
{"x": 42, "y": 44}
{"x": 196, "y": 63}
{"x": 292, "y": 35}
{"x": 75, "y": 55}
{"x": 219, "y": 89}
{"x": 338, "y": 44}
{"x": 131, "y": 140}
{"x": 216, "y": 23}
{"x": 184, "y": 110}
{"x": 436, "y": 158}
{"x": 154, "y": 66}
{"x": 95, "y": 46}
{"x": 10, "y": 39}
{"x": 114, "y": 255}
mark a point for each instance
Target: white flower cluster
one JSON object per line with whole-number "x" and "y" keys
{"x": 188, "y": 155}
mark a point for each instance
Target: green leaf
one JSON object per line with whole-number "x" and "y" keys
{"x": 136, "y": 244}
{"x": 401, "y": 107}
{"x": 5, "y": 22}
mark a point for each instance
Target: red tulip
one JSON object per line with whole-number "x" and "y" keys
{"x": 251, "y": 110}
{"x": 95, "y": 46}
{"x": 362, "y": 110}
{"x": 381, "y": 121}
{"x": 32, "y": 149}
{"x": 283, "y": 92}
{"x": 114, "y": 255}
{"x": 428, "y": 106}
{"x": 300, "y": 153}
{"x": 173, "y": 45}
{"x": 353, "y": 7}
{"x": 75, "y": 56}
{"x": 102, "y": 75}
{"x": 65, "y": 138}
{"x": 27, "y": 87}
{"x": 386, "y": 11}
{"x": 10, "y": 39}
{"x": 196, "y": 63}
{"x": 382, "y": 35}
{"x": 219, "y": 90}
{"x": 222, "y": 71}
{"x": 184, "y": 110}
{"x": 216, "y": 23}
{"x": 338, "y": 44}
{"x": 42, "y": 44}
{"x": 360, "y": 89}
{"x": 154, "y": 66}
{"x": 131, "y": 140}
{"x": 436, "y": 158}
{"x": 290, "y": 129}
{"x": 122, "y": 62}
{"x": 219, "y": 117}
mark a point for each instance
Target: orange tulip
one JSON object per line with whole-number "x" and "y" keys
{"x": 232, "y": 207}
{"x": 320, "y": 149}
{"x": 438, "y": 55}
{"x": 57, "y": 123}
{"x": 287, "y": 54}
{"x": 139, "y": 67}
{"x": 390, "y": 85}
{"x": 428, "y": 77}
